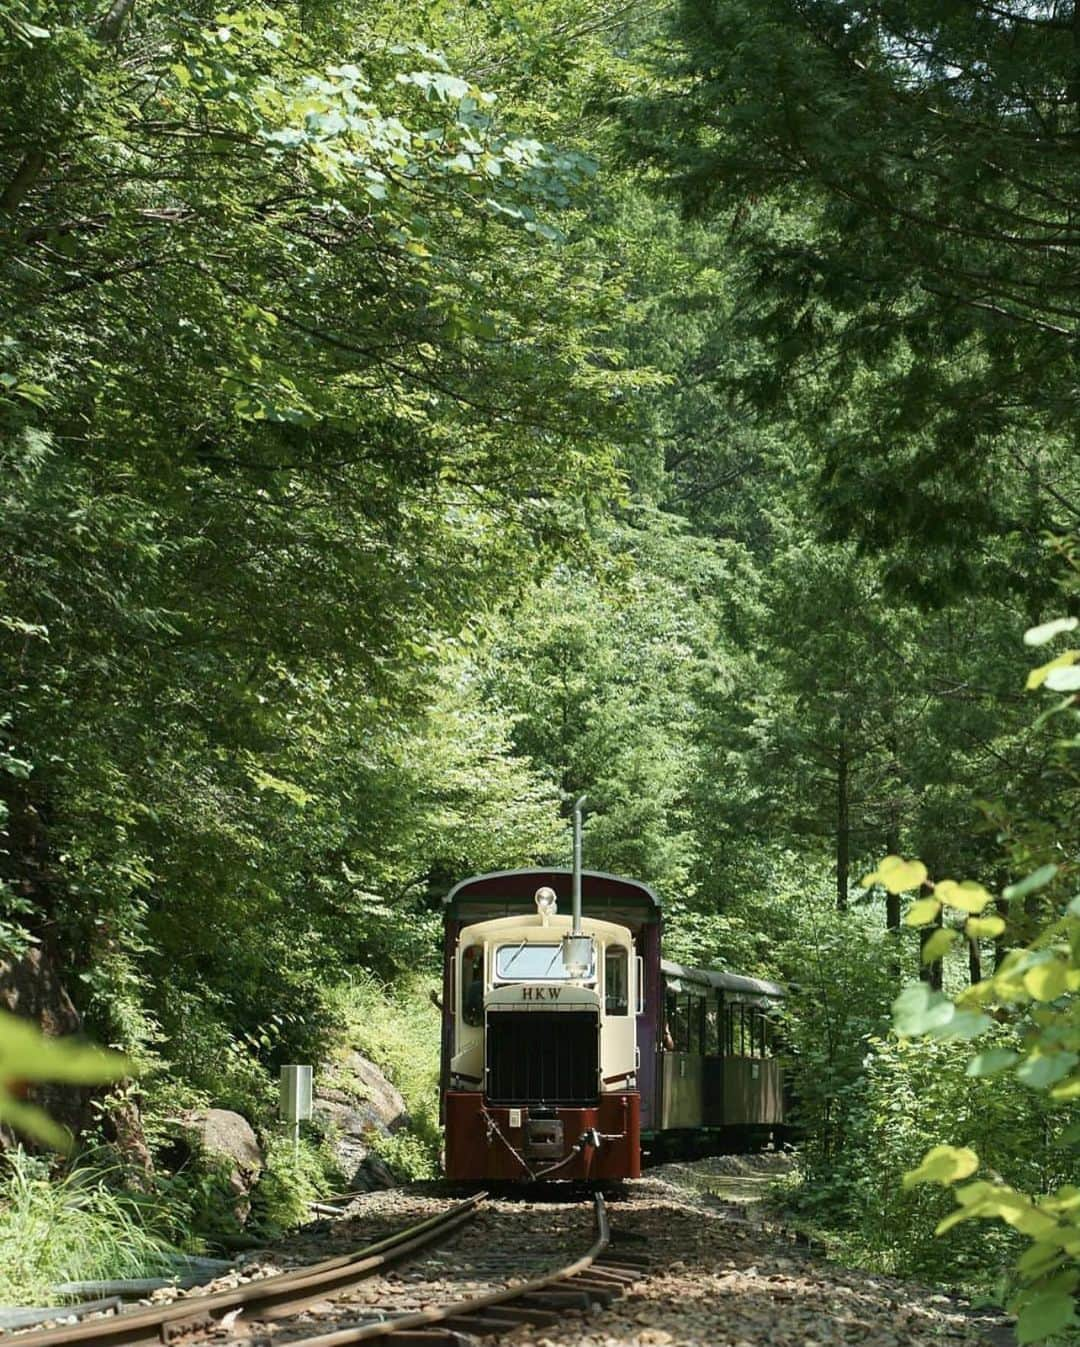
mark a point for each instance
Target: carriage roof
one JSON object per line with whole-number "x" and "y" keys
{"x": 680, "y": 978}
{"x": 509, "y": 893}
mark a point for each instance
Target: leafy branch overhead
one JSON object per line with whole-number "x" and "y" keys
{"x": 29, "y": 1057}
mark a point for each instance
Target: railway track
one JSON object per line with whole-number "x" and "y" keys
{"x": 597, "y": 1277}
{"x": 275, "y": 1297}
{"x": 594, "y": 1278}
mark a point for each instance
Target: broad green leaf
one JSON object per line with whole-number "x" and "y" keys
{"x": 920, "y": 1010}
{"x": 1040, "y": 1258}
{"x": 945, "y": 1165}
{"x": 1038, "y": 879}
{"x": 1037, "y": 677}
{"x": 955, "y": 1218}
{"x": 26, "y": 1054}
{"x": 964, "y": 1024}
{"x": 1040, "y": 1070}
{"x": 1044, "y": 1316}
{"x": 984, "y": 928}
{"x": 898, "y": 875}
{"x": 1046, "y": 631}
{"x": 938, "y": 946}
{"x": 922, "y": 912}
{"x": 1046, "y": 981}
{"x": 990, "y": 1062}
{"x": 33, "y": 1122}
{"x": 967, "y": 896}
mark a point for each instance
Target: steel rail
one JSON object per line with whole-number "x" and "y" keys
{"x": 268, "y": 1298}
{"x": 605, "y": 1283}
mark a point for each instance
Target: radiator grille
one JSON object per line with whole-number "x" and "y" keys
{"x": 542, "y": 1057}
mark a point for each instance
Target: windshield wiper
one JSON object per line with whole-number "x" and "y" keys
{"x": 556, "y": 955}
{"x": 515, "y": 953}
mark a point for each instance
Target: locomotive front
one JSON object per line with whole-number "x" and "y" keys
{"x": 540, "y": 1052}
{"x": 542, "y": 1075}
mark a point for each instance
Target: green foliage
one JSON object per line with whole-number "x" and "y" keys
{"x": 412, "y": 1155}
{"x": 1033, "y": 990}
{"x": 872, "y": 170}
{"x": 76, "y": 1227}
{"x": 293, "y": 1178}
{"x": 27, "y": 1056}
{"x": 397, "y": 1028}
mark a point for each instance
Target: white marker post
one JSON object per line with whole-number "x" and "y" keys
{"x": 295, "y": 1098}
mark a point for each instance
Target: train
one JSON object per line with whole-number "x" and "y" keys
{"x": 570, "y": 1046}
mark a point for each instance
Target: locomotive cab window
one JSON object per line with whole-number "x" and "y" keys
{"x": 616, "y": 981}
{"x": 532, "y": 963}
{"x": 472, "y": 985}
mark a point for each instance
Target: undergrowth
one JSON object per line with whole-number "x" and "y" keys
{"x": 398, "y": 1028}
{"x": 74, "y": 1227}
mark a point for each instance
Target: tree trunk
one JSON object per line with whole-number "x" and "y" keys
{"x": 892, "y": 900}
{"x": 843, "y": 830}
{"x": 930, "y": 972}
{"x": 1001, "y": 941}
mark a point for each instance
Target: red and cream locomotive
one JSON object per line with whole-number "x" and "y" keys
{"x": 567, "y": 1040}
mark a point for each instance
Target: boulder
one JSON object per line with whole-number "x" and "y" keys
{"x": 361, "y": 1105}
{"x": 226, "y": 1139}
{"x": 372, "y": 1175}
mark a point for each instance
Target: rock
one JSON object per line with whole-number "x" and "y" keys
{"x": 362, "y": 1104}
{"x": 373, "y": 1175}
{"x": 226, "y": 1138}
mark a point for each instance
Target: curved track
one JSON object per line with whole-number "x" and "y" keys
{"x": 597, "y": 1277}
{"x": 271, "y": 1298}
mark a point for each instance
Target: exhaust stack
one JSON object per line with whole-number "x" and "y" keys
{"x": 577, "y": 946}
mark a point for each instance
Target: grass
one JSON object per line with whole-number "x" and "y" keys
{"x": 72, "y": 1228}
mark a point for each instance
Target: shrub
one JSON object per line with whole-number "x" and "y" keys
{"x": 294, "y": 1177}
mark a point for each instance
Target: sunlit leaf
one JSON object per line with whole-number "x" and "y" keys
{"x": 944, "y": 1165}
{"x": 967, "y": 896}
{"x": 1046, "y": 631}
{"x": 1046, "y": 981}
{"x": 980, "y": 928}
{"x": 1063, "y": 680}
{"x": 1037, "y": 677}
{"x": 937, "y": 946}
{"x": 898, "y": 875}
{"x": 922, "y": 912}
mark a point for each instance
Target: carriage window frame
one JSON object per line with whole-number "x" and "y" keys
{"x": 473, "y": 976}
{"x": 695, "y": 1023}
{"x": 714, "y": 1014}
{"x": 680, "y": 1029}
{"x": 617, "y": 955}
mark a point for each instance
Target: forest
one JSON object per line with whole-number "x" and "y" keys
{"x": 413, "y": 416}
